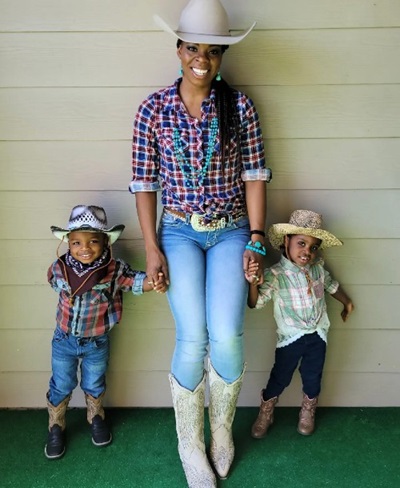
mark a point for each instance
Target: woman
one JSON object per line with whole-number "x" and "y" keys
{"x": 200, "y": 142}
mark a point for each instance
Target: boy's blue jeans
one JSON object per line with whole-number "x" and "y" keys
{"x": 207, "y": 297}
{"x": 67, "y": 351}
{"x": 310, "y": 351}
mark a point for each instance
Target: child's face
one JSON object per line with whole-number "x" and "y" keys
{"x": 86, "y": 247}
{"x": 302, "y": 250}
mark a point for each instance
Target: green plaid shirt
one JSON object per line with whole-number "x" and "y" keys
{"x": 299, "y": 301}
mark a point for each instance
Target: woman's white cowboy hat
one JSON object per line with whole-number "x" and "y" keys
{"x": 204, "y": 22}
{"x": 88, "y": 218}
{"x": 306, "y": 223}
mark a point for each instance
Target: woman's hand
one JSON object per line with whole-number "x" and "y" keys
{"x": 157, "y": 268}
{"x": 253, "y": 261}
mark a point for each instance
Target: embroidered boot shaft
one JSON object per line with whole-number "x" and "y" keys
{"x": 265, "y": 417}
{"x": 306, "y": 423}
{"x": 55, "y": 446}
{"x": 222, "y": 408}
{"x": 189, "y": 416}
{"x": 101, "y": 435}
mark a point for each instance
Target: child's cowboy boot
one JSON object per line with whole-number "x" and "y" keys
{"x": 222, "y": 408}
{"x": 189, "y": 417}
{"x": 265, "y": 417}
{"x": 101, "y": 435}
{"x": 307, "y": 415}
{"x": 55, "y": 446}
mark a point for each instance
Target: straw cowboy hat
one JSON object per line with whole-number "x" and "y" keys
{"x": 88, "y": 218}
{"x": 306, "y": 223}
{"x": 204, "y": 22}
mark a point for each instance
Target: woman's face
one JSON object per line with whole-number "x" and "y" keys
{"x": 200, "y": 62}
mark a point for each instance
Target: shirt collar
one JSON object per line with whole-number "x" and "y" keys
{"x": 291, "y": 267}
{"x": 174, "y": 103}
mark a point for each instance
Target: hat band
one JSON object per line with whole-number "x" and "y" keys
{"x": 208, "y": 34}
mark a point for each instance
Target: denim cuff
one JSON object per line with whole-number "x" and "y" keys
{"x": 138, "y": 186}
{"x": 263, "y": 174}
{"x": 137, "y": 288}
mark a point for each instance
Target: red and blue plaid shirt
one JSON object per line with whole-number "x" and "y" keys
{"x": 96, "y": 311}
{"x": 155, "y": 166}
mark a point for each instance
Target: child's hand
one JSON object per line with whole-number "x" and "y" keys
{"x": 347, "y": 310}
{"x": 251, "y": 272}
{"x": 160, "y": 286}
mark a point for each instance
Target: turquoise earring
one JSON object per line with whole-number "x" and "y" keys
{"x": 180, "y": 71}
{"x": 218, "y": 77}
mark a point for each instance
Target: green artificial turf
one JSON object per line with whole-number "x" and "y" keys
{"x": 351, "y": 448}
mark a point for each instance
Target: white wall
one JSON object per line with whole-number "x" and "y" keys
{"x": 325, "y": 77}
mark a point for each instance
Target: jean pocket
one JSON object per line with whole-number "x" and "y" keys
{"x": 59, "y": 335}
{"x": 169, "y": 220}
{"x": 101, "y": 341}
{"x": 242, "y": 223}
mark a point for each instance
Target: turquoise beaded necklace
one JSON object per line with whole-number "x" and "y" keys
{"x": 193, "y": 173}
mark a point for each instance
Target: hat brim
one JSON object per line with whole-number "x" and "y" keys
{"x": 113, "y": 233}
{"x": 204, "y": 38}
{"x": 277, "y": 233}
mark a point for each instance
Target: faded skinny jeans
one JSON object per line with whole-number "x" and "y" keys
{"x": 207, "y": 296}
{"x": 67, "y": 352}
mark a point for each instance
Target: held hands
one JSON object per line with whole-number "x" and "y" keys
{"x": 252, "y": 272}
{"x": 157, "y": 278}
{"x": 159, "y": 286}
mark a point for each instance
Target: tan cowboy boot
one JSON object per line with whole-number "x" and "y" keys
{"x": 222, "y": 408}
{"x": 189, "y": 416}
{"x": 55, "y": 447}
{"x": 101, "y": 435}
{"x": 307, "y": 415}
{"x": 265, "y": 417}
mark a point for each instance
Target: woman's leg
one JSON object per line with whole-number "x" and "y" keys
{"x": 226, "y": 301}
{"x": 184, "y": 252}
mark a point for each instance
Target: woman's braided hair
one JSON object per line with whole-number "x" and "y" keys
{"x": 228, "y": 117}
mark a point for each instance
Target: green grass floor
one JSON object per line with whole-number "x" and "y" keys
{"x": 351, "y": 448}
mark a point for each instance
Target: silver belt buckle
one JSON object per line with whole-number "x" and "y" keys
{"x": 197, "y": 222}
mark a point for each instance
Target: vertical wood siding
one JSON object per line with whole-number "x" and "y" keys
{"x": 325, "y": 78}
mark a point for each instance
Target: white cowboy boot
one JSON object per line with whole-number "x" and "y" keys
{"x": 189, "y": 416}
{"x": 222, "y": 408}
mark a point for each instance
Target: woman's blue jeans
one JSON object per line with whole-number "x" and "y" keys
{"x": 207, "y": 297}
{"x": 67, "y": 351}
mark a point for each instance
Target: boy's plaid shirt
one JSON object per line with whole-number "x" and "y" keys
{"x": 96, "y": 311}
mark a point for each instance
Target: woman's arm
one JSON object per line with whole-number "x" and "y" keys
{"x": 256, "y": 202}
{"x": 146, "y": 206}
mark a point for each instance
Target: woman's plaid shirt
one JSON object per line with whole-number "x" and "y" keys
{"x": 155, "y": 166}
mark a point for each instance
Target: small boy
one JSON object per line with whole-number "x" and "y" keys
{"x": 297, "y": 285}
{"x": 90, "y": 283}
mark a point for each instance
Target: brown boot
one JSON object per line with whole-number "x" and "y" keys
{"x": 307, "y": 415}
{"x": 55, "y": 446}
{"x": 101, "y": 435}
{"x": 265, "y": 417}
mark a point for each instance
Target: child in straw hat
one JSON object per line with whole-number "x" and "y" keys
{"x": 297, "y": 286}
{"x": 90, "y": 283}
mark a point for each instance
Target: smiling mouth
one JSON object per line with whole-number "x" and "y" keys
{"x": 200, "y": 72}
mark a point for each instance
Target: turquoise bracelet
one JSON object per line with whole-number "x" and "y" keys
{"x": 256, "y": 247}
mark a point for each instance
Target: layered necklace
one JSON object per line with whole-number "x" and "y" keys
{"x": 190, "y": 173}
